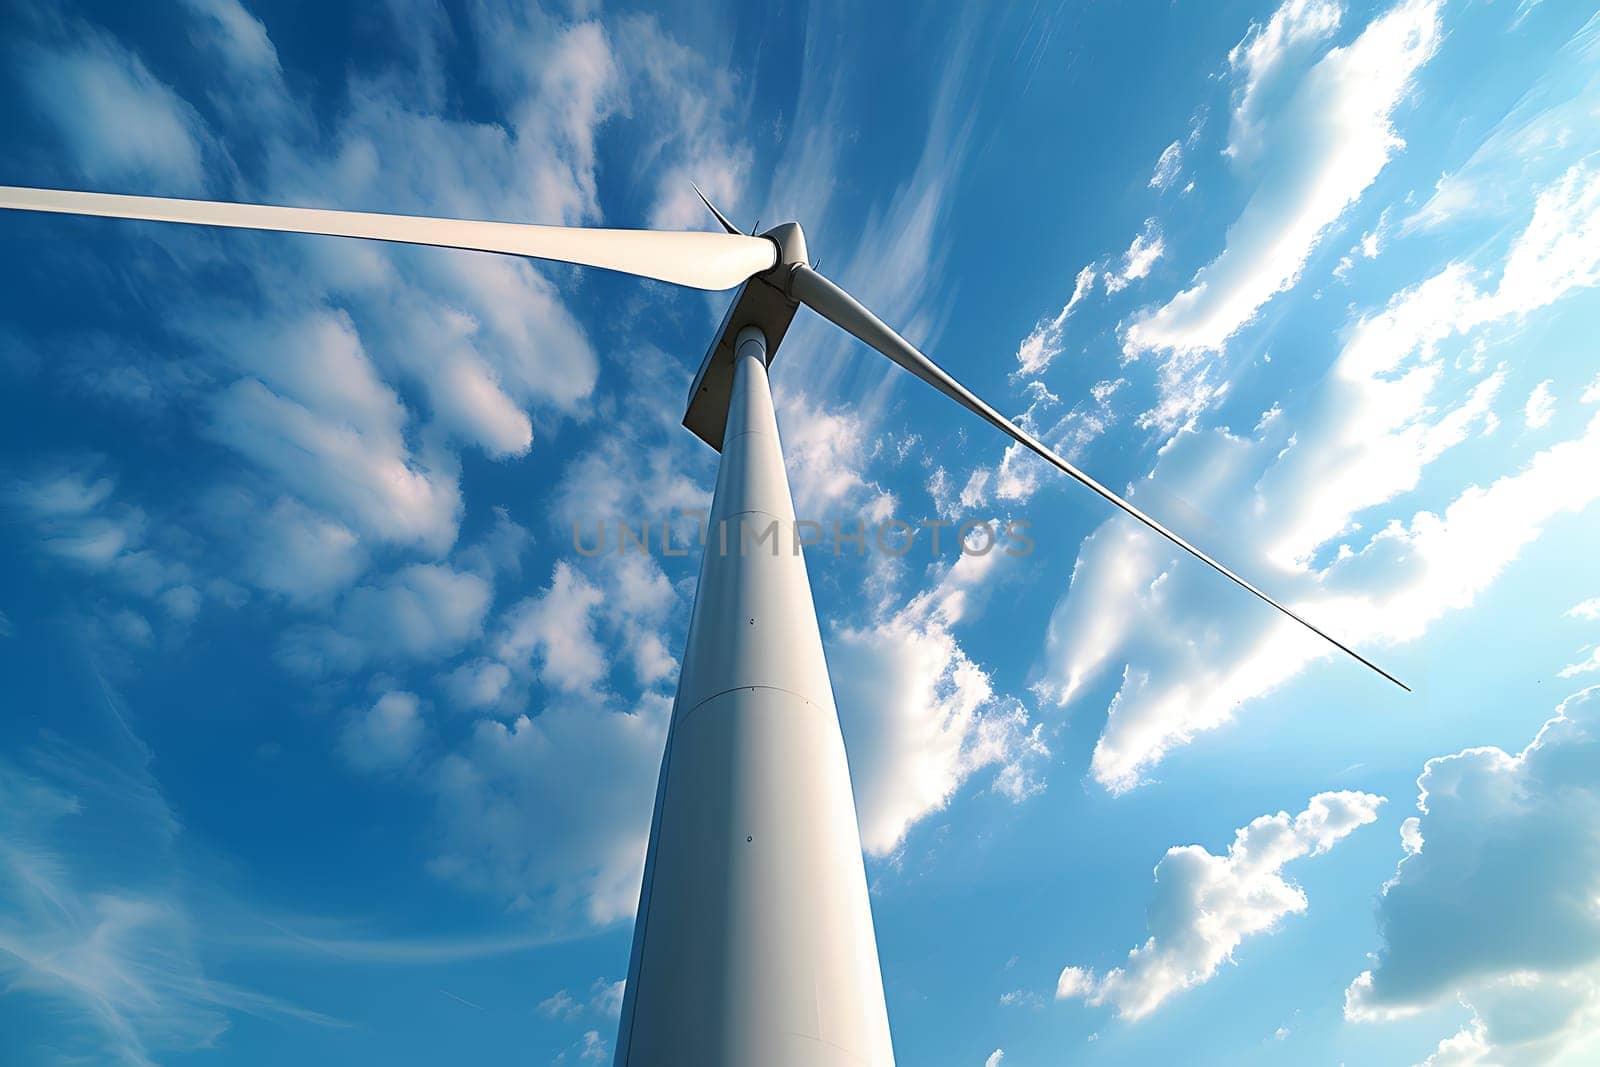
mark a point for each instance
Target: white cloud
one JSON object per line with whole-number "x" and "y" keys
{"x": 1206, "y": 905}
{"x": 359, "y": 468}
{"x": 122, "y": 123}
{"x": 425, "y": 611}
{"x": 1026, "y": 997}
{"x": 1147, "y": 247}
{"x": 556, "y": 628}
{"x": 920, "y": 717}
{"x": 1541, "y": 406}
{"x": 824, "y": 451}
{"x": 552, "y": 811}
{"x": 1044, "y": 344}
{"x": 1493, "y": 902}
{"x": 995, "y": 1058}
{"x": 1265, "y": 59}
{"x": 78, "y": 519}
{"x": 605, "y": 1000}
{"x": 385, "y": 736}
{"x": 1368, "y": 247}
{"x": 289, "y": 548}
{"x": 560, "y": 1005}
{"x": 1327, "y": 145}
{"x": 1405, "y": 577}
{"x": 240, "y": 34}
{"x": 1075, "y": 982}
{"x": 693, "y": 108}
{"x": 1587, "y": 609}
{"x": 595, "y": 1049}
{"x": 559, "y": 82}
{"x": 605, "y": 997}
{"x": 1168, "y": 167}
{"x": 1020, "y": 473}
{"x": 478, "y": 684}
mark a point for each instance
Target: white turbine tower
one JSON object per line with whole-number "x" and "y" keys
{"x": 753, "y": 945}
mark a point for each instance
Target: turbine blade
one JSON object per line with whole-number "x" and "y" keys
{"x": 723, "y": 219}
{"x": 697, "y": 260}
{"x": 841, "y": 309}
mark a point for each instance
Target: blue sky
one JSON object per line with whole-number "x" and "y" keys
{"x": 321, "y": 743}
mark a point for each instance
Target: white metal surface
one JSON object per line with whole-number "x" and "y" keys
{"x": 754, "y": 943}
{"x": 698, "y": 260}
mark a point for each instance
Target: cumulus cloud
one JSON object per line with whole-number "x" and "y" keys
{"x": 555, "y": 629}
{"x": 288, "y": 548}
{"x": 583, "y": 777}
{"x": 1329, "y": 139}
{"x": 546, "y": 806}
{"x": 353, "y": 474}
{"x": 604, "y": 1000}
{"x": 385, "y": 736}
{"x": 1493, "y": 902}
{"x": 422, "y": 612}
{"x": 479, "y": 683}
{"x": 920, "y": 717}
{"x": 1294, "y": 493}
{"x": 825, "y": 449}
{"x": 560, "y": 1005}
{"x": 1206, "y": 905}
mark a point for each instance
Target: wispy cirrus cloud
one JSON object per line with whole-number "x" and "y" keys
{"x": 95, "y": 925}
{"x": 1550, "y": 125}
{"x": 1329, "y": 137}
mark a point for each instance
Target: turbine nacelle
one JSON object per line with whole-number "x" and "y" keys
{"x": 762, "y": 301}
{"x": 791, "y": 242}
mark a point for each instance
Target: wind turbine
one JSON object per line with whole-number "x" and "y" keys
{"x": 753, "y": 944}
